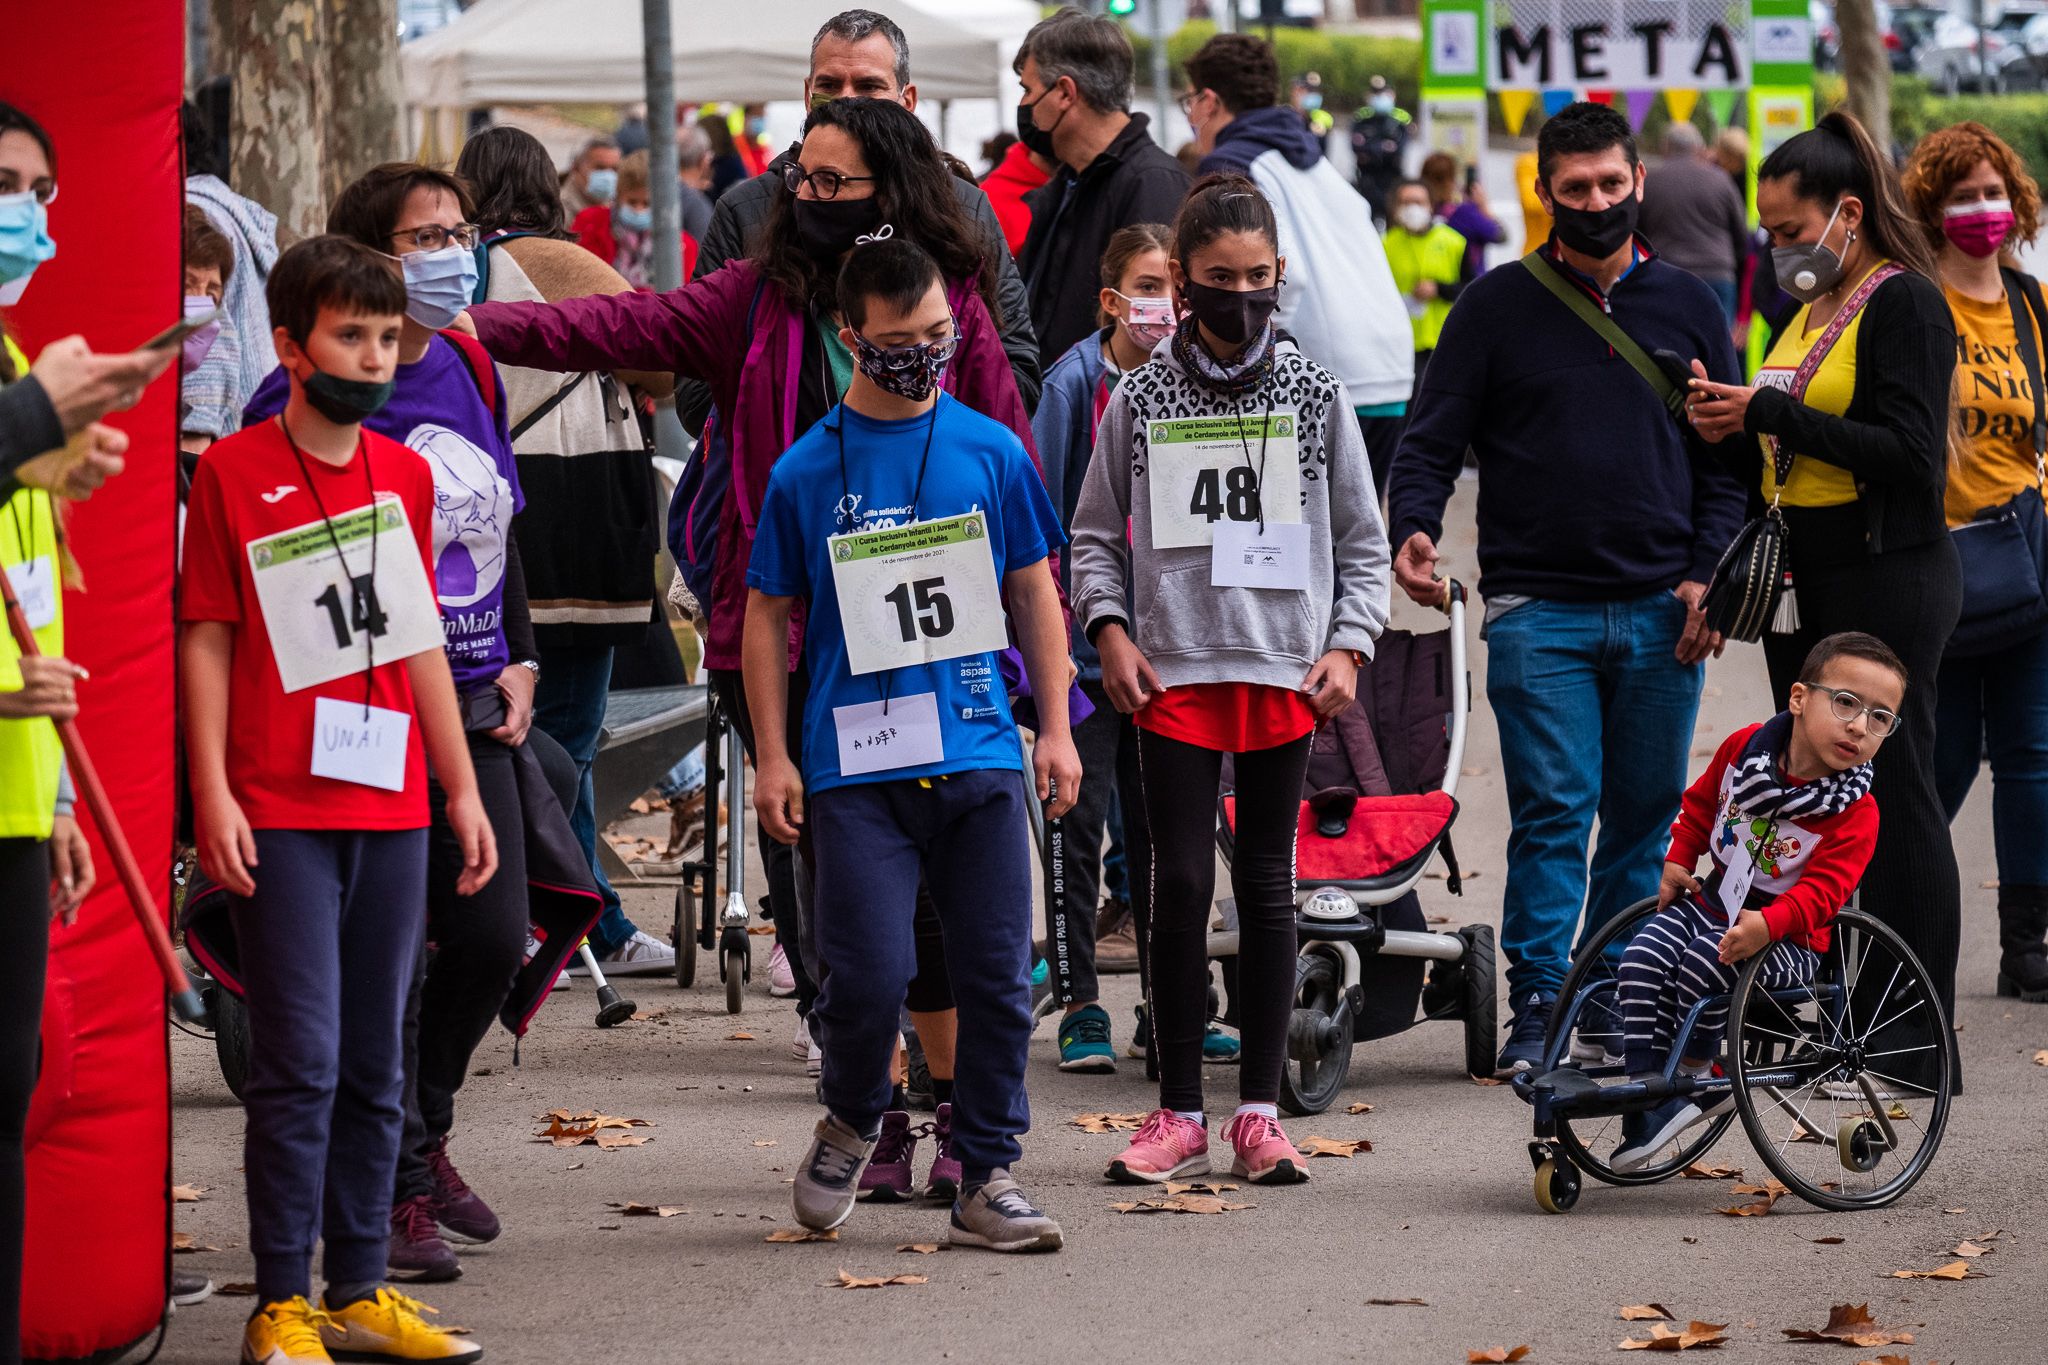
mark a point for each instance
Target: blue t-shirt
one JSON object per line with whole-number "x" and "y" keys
{"x": 436, "y": 410}
{"x": 976, "y": 464}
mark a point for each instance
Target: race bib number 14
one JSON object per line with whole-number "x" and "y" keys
{"x": 323, "y": 614}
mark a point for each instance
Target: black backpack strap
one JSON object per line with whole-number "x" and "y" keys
{"x": 526, "y": 423}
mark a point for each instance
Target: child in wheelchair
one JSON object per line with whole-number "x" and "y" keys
{"x": 1784, "y": 813}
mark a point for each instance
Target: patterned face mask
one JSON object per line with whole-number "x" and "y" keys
{"x": 912, "y": 371}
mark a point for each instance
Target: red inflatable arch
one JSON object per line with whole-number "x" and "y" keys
{"x": 108, "y": 90}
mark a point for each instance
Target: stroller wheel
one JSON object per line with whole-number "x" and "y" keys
{"x": 231, "y": 1039}
{"x": 1481, "y": 1002}
{"x": 1319, "y": 1036}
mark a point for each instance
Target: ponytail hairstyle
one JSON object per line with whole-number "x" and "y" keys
{"x": 1218, "y": 204}
{"x": 1126, "y": 244}
{"x": 1837, "y": 157}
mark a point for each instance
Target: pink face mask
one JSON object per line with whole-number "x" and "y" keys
{"x": 1980, "y": 228}
{"x": 1151, "y": 320}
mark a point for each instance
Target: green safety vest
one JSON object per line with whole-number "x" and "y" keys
{"x": 1438, "y": 254}
{"x": 29, "y": 752}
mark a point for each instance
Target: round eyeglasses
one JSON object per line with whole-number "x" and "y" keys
{"x": 824, "y": 184}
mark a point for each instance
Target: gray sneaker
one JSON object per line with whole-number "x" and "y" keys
{"x": 829, "y": 1179}
{"x": 998, "y": 1216}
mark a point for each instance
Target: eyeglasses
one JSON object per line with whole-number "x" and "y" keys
{"x": 824, "y": 184}
{"x": 1847, "y": 707}
{"x": 1186, "y": 101}
{"x": 434, "y": 237}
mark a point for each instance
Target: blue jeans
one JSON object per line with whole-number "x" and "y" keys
{"x": 1728, "y": 293}
{"x": 1596, "y": 717}
{"x": 569, "y": 704}
{"x": 968, "y": 837}
{"x": 1998, "y": 703}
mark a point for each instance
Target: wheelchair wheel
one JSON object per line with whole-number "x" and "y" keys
{"x": 1590, "y": 1139}
{"x": 1318, "y": 1045}
{"x": 1481, "y": 1011}
{"x": 231, "y": 1038}
{"x": 1843, "y": 1085}
{"x": 686, "y": 937}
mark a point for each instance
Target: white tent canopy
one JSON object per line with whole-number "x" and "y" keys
{"x": 590, "y": 52}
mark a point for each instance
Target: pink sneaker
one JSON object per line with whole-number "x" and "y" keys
{"x": 1264, "y": 1155}
{"x": 1166, "y": 1148}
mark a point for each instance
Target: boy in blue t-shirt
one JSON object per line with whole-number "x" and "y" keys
{"x": 904, "y": 521}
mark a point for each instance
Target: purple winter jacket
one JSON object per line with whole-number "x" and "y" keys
{"x": 695, "y": 332}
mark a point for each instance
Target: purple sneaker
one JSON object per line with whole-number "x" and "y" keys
{"x": 417, "y": 1253}
{"x": 457, "y": 1208}
{"x": 944, "y": 1184}
{"x": 887, "y": 1178}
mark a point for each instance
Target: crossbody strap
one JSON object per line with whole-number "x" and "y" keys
{"x": 526, "y": 423}
{"x": 2023, "y": 330}
{"x": 1609, "y": 330}
{"x": 1837, "y": 325}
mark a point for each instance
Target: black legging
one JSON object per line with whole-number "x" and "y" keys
{"x": 1908, "y": 598}
{"x": 24, "y": 953}
{"x": 1180, "y": 782}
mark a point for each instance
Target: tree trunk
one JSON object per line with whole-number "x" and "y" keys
{"x": 1866, "y": 71}
{"x": 275, "y": 50}
{"x": 363, "y": 115}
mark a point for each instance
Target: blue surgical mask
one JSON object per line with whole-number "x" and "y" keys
{"x": 1382, "y": 104}
{"x": 25, "y": 242}
{"x": 632, "y": 219}
{"x": 438, "y": 285}
{"x": 601, "y": 184}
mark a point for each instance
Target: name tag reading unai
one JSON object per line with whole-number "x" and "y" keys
{"x": 351, "y": 747}
{"x": 1246, "y": 557}
{"x": 874, "y": 741}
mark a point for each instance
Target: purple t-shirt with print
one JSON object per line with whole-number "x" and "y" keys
{"x": 436, "y": 410}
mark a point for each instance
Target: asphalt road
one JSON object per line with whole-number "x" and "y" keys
{"x": 1440, "y": 1210}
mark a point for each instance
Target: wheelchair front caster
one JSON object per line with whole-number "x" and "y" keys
{"x": 1860, "y": 1144}
{"x": 1557, "y": 1185}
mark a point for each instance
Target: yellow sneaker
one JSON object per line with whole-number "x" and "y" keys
{"x": 285, "y": 1333}
{"x": 389, "y": 1327}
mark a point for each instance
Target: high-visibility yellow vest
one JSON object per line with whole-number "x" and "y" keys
{"x": 1438, "y": 254}
{"x": 29, "y": 752}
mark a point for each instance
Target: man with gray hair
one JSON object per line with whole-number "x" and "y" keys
{"x": 1076, "y": 110}
{"x": 1694, "y": 216}
{"x": 693, "y": 170}
{"x": 598, "y": 158}
{"x": 859, "y": 53}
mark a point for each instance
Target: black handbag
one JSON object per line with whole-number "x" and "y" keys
{"x": 2004, "y": 549}
{"x": 1745, "y": 583}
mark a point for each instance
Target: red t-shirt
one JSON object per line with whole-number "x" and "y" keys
{"x": 250, "y": 486}
{"x": 1229, "y": 717}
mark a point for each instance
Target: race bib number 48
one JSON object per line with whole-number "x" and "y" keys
{"x": 1206, "y": 470}
{"x": 917, "y": 594}
{"x": 325, "y": 615}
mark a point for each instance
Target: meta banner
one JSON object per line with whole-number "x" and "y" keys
{"x": 1628, "y": 44}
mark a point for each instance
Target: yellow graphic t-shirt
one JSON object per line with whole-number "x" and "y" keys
{"x": 1995, "y": 404}
{"x": 1812, "y": 482}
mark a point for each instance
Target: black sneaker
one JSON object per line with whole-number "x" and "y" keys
{"x": 1524, "y": 1049}
{"x": 1141, "y": 1036}
{"x": 189, "y": 1287}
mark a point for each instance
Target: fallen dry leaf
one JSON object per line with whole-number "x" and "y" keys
{"x": 1829, "y": 1241}
{"x": 2041, "y": 1057}
{"x": 1886, "y": 1360}
{"x": 1108, "y": 1123}
{"x": 1956, "y": 1210}
{"x": 763, "y": 930}
{"x": 611, "y": 1142}
{"x": 182, "y": 1242}
{"x": 802, "y": 1235}
{"x": 848, "y": 1280}
{"x": 1699, "y": 1172}
{"x": 1756, "y": 1208}
{"x": 1667, "y": 1338}
{"x": 1495, "y": 1353}
{"x": 187, "y": 1194}
{"x": 1344, "y": 1147}
{"x": 569, "y": 1130}
{"x": 1398, "y": 1303}
{"x": 1488, "y": 1080}
{"x": 649, "y": 1016}
{"x": 1972, "y": 1250}
{"x": 1954, "y": 1270}
{"x": 1182, "y": 1203}
{"x": 1645, "y": 1312}
{"x": 236, "y": 1289}
{"x": 1194, "y": 1187}
{"x": 921, "y": 1248}
{"x": 631, "y": 1210}
{"x": 1358, "y": 1109}
{"x": 741, "y": 1037}
{"x": 1852, "y": 1325}
{"x": 764, "y": 1142}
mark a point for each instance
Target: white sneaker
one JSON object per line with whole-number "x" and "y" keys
{"x": 800, "y": 1045}
{"x": 814, "y": 1058}
{"x": 641, "y": 955}
{"x": 781, "y": 980}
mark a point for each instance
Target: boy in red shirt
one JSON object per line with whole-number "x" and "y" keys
{"x": 1786, "y": 814}
{"x": 312, "y": 644}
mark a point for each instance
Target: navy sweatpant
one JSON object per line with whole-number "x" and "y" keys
{"x": 1672, "y": 964}
{"x": 329, "y": 943}
{"x": 966, "y": 835}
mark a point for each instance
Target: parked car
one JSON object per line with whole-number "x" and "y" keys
{"x": 1906, "y": 32}
{"x": 1827, "y": 39}
{"x": 1959, "y": 56}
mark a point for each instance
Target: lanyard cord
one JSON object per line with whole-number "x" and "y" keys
{"x": 24, "y": 543}
{"x": 356, "y": 591}
{"x": 916, "y": 495}
{"x": 1265, "y": 428}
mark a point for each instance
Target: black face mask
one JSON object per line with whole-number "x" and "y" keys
{"x": 346, "y": 402}
{"x": 1035, "y": 138}
{"x": 1598, "y": 233}
{"x": 825, "y": 228}
{"x": 1236, "y": 315}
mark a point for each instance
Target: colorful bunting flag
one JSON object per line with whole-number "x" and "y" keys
{"x": 1722, "y": 102}
{"x": 1605, "y": 97}
{"x": 1514, "y": 109}
{"x": 1681, "y": 104}
{"x": 1639, "y": 104}
{"x": 1554, "y": 100}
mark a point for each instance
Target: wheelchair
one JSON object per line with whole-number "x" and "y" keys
{"x": 1818, "y": 1074}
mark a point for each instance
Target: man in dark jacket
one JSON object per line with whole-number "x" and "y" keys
{"x": 1695, "y": 217}
{"x": 1076, "y": 74}
{"x": 1379, "y": 141}
{"x": 1600, "y": 522}
{"x": 861, "y": 53}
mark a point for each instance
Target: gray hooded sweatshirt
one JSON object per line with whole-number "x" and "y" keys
{"x": 1191, "y": 631}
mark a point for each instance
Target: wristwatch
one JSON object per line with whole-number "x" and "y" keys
{"x": 533, "y": 664}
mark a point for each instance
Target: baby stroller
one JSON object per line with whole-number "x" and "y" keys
{"x": 1379, "y": 804}
{"x": 1842, "y": 1085}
